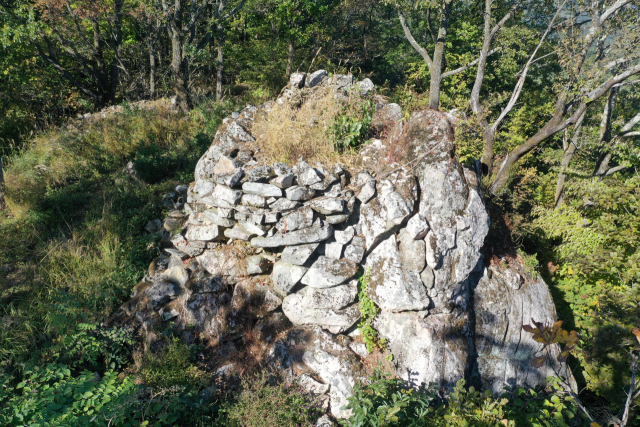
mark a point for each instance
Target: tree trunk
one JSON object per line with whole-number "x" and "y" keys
{"x": 152, "y": 71}
{"x": 3, "y": 203}
{"x": 438, "y": 56}
{"x": 220, "y": 62}
{"x": 287, "y": 72}
{"x": 566, "y": 160}
{"x": 183, "y": 100}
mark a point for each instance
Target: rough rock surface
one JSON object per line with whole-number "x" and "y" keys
{"x": 247, "y": 238}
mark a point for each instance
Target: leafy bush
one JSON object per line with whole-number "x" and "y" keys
{"x": 350, "y": 129}
{"x": 94, "y": 347}
{"x": 386, "y": 401}
{"x": 267, "y": 402}
{"x": 51, "y": 396}
{"x": 172, "y": 366}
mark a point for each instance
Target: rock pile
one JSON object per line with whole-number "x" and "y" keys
{"x": 282, "y": 245}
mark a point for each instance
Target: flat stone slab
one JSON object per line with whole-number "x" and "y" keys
{"x": 283, "y": 181}
{"x": 300, "y": 193}
{"x": 285, "y": 276}
{"x": 264, "y": 190}
{"x": 204, "y": 233}
{"x": 298, "y": 237}
{"x": 328, "y": 205}
{"x": 327, "y": 272}
{"x": 257, "y": 264}
{"x": 299, "y": 254}
{"x": 296, "y": 220}
{"x": 213, "y": 217}
{"x": 284, "y": 205}
{"x": 333, "y": 320}
{"x": 226, "y": 194}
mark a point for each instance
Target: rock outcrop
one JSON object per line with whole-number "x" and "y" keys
{"x": 277, "y": 249}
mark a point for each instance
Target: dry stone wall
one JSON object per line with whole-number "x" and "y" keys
{"x": 284, "y": 244}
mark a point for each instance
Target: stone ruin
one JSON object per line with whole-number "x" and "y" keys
{"x": 275, "y": 250}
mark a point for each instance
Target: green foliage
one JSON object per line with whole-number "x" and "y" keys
{"x": 531, "y": 264}
{"x": 266, "y": 402}
{"x": 172, "y": 366}
{"x": 94, "y": 348}
{"x": 51, "y": 396}
{"x": 351, "y": 128}
{"x": 368, "y": 313}
{"x": 388, "y": 402}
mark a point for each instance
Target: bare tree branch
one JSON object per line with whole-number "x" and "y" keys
{"x": 413, "y": 42}
{"x": 466, "y": 67}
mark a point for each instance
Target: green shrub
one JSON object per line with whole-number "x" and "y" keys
{"x": 350, "y": 129}
{"x": 269, "y": 402}
{"x": 389, "y": 402}
{"x": 94, "y": 348}
{"x": 51, "y": 396}
{"x": 369, "y": 312}
{"x": 172, "y": 366}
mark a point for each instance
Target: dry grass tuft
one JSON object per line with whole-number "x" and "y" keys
{"x": 286, "y": 133}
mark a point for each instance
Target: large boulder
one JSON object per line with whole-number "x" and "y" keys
{"x": 503, "y": 301}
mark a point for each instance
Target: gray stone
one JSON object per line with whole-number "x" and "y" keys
{"x": 366, "y": 86}
{"x": 225, "y": 165}
{"x": 339, "y": 81}
{"x": 257, "y": 218}
{"x": 314, "y": 79}
{"x": 220, "y": 263}
{"x": 239, "y": 133}
{"x": 334, "y": 320}
{"x": 302, "y": 218}
{"x": 417, "y": 227}
{"x": 327, "y": 273}
{"x": 337, "y": 219}
{"x": 192, "y": 248}
{"x": 238, "y": 233}
{"x": 397, "y": 208}
{"x": 176, "y": 274}
{"x": 328, "y": 205}
{"x": 391, "y": 286}
{"x": 283, "y": 181}
{"x": 359, "y": 348}
{"x": 282, "y": 169}
{"x": 337, "y": 366}
{"x": 254, "y": 200}
{"x": 337, "y": 297}
{"x": 271, "y": 217}
{"x": 226, "y": 194}
{"x": 504, "y": 348}
{"x": 284, "y": 205}
{"x": 434, "y": 349}
{"x": 387, "y": 115}
{"x": 296, "y": 80}
{"x": 203, "y": 187}
{"x": 312, "y": 386}
{"x": 299, "y": 193}
{"x": 298, "y": 237}
{"x": 345, "y": 236}
{"x": 354, "y": 253}
{"x": 259, "y": 174}
{"x": 285, "y": 276}
{"x": 264, "y": 190}
{"x": 254, "y": 229}
{"x": 257, "y": 264}
{"x": 300, "y": 254}
{"x": 213, "y": 217}
{"x": 413, "y": 252}
{"x": 367, "y": 192}
{"x": 333, "y": 250}
{"x": 204, "y": 233}
{"x": 230, "y": 179}
{"x": 308, "y": 175}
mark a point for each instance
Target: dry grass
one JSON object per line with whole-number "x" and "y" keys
{"x": 287, "y": 133}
